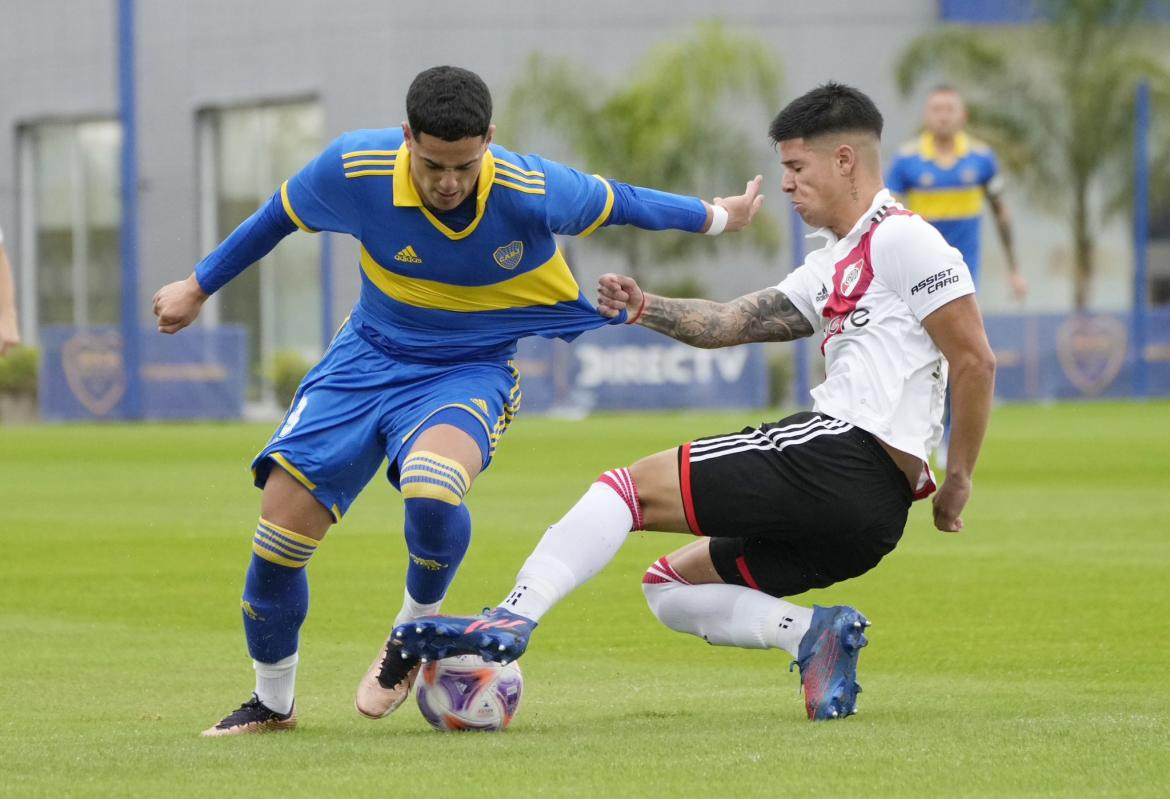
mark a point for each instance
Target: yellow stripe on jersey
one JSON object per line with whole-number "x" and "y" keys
{"x": 288, "y": 209}
{"x": 508, "y": 165}
{"x": 370, "y": 162}
{"x": 518, "y": 187}
{"x": 604, "y": 211}
{"x": 356, "y": 153}
{"x": 946, "y": 203}
{"x": 547, "y": 284}
{"x": 513, "y": 174}
{"x": 361, "y": 173}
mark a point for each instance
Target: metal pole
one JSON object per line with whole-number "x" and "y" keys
{"x": 800, "y": 387}
{"x": 132, "y": 401}
{"x": 1141, "y": 234}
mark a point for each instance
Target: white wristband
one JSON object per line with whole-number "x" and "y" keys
{"x": 718, "y": 220}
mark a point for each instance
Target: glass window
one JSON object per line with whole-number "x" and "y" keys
{"x": 254, "y": 149}
{"x": 73, "y": 177}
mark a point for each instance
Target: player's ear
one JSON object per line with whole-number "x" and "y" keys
{"x": 490, "y": 133}
{"x": 845, "y": 158}
{"x": 406, "y": 135}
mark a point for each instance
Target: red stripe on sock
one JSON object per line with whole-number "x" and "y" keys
{"x": 745, "y": 574}
{"x": 622, "y": 483}
{"x": 684, "y": 480}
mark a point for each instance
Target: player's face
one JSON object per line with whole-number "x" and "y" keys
{"x": 945, "y": 114}
{"x": 811, "y": 181}
{"x": 445, "y": 173}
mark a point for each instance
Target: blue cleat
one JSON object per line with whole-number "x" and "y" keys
{"x": 828, "y": 662}
{"x": 497, "y": 634}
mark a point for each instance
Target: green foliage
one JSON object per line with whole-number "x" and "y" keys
{"x": 18, "y": 372}
{"x": 675, "y": 122}
{"x": 286, "y": 370}
{"x": 1022, "y": 657}
{"x": 1056, "y": 100}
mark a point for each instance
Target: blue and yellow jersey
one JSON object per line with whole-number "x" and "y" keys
{"x": 948, "y": 192}
{"x": 464, "y": 284}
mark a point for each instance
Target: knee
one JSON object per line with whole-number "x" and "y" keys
{"x": 658, "y": 582}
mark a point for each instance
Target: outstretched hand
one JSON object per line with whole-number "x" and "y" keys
{"x": 617, "y": 293}
{"x": 742, "y": 208}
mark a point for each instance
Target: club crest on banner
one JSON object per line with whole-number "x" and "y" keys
{"x": 509, "y": 255}
{"x": 94, "y": 370}
{"x": 1091, "y": 350}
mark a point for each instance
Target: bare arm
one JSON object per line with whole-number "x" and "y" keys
{"x": 957, "y": 330}
{"x": 1003, "y": 224}
{"x": 9, "y": 329}
{"x": 765, "y": 315}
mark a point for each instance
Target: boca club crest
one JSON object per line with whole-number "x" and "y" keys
{"x": 1091, "y": 350}
{"x": 508, "y": 256}
{"x": 94, "y": 370}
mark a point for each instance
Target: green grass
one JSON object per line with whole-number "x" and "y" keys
{"x": 1025, "y": 657}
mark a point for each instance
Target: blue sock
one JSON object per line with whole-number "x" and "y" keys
{"x": 276, "y": 592}
{"x": 438, "y": 524}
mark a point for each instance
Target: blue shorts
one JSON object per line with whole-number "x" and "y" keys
{"x": 359, "y": 405}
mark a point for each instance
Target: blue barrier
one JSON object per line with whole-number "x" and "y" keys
{"x": 631, "y": 368}
{"x": 1058, "y": 356}
{"x": 200, "y": 374}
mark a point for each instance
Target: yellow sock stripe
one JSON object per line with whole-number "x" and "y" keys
{"x": 415, "y": 477}
{"x": 421, "y": 490}
{"x": 296, "y": 544}
{"x": 438, "y": 466}
{"x": 282, "y": 547}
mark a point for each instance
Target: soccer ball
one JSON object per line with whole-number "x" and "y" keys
{"x": 469, "y": 693}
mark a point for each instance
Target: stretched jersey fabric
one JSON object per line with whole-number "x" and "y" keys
{"x": 462, "y": 285}
{"x": 868, "y": 294}
{"x": 947, "y": 192}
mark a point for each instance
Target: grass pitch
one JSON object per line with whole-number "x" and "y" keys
{"x": 1026, "y": 656}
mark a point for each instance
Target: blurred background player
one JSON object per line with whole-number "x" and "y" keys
{"x": 944, "y": 175}
{"x": 458, "y": 261}
{"x": 817, "y": 497}
{"x": 9, "y": 327}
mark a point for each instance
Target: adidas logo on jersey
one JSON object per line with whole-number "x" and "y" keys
{"x": 408, "y": 255}
{"x": 823, "y": 294}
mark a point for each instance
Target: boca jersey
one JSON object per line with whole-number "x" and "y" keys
{"x": 462, "y": 285}
{"x": 947, "y": 192}
{"x": 867, "y": 293}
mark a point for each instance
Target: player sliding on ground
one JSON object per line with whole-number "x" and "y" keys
{"x": 812, "y": 499}
{"x": 458, "y": 261}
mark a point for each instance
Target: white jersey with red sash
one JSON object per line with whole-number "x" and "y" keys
{"x": 867, "y": 293}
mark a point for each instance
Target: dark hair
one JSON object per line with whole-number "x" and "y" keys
{"x": 450, "y": 103}
{"x": 832, "y": 108}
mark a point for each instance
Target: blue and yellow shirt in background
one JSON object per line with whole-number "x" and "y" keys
{"x": 466, "y": 284}
{"x": 948, "y": 192}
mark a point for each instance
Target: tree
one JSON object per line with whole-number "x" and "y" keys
{"x": 673, "y": 123}
{"x": 1056, "y": 100}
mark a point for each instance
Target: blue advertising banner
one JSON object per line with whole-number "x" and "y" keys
{"x": 197, "y": 375}
{"x": 631, "y": 368}
{"x": 1080, "y": 355}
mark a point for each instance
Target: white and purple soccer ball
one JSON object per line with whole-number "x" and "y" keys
{"x": 467, "y": 692}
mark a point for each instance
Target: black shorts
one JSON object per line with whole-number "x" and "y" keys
{"x": 802, "y": 503}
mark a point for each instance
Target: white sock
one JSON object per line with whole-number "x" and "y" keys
{"x": 412, "y": 610}
{"x": 572, "y": 551}
{"x": 276, "y": 682}
{"x": 729, "y": 615}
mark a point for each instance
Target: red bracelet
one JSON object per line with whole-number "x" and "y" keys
{"x": 641, "y": 310}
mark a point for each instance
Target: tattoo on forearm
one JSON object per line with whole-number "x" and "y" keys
{"x": 765, "y": 315}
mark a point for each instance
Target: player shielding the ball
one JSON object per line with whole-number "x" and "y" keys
{"x": 815, "y": 498}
